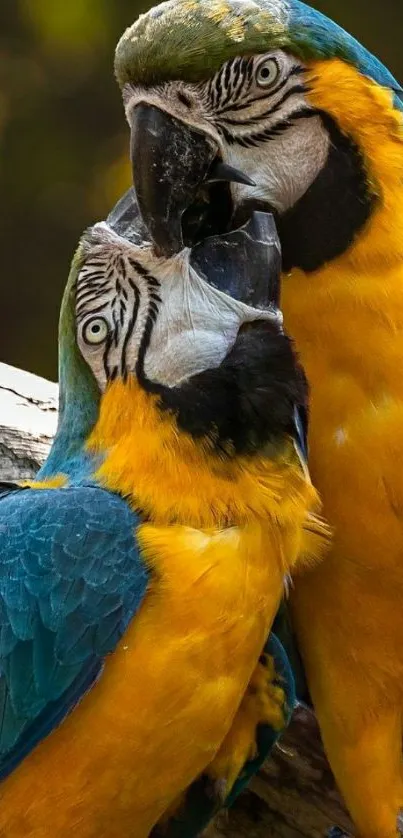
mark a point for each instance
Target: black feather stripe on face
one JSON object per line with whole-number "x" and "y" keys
{"x": 102, "y": 289}
{"x": 232, "y": 91}
{"x": 325, "y": 221}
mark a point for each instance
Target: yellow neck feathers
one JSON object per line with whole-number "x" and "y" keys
{"x": 347, "y": 317}
{"x": 173, "y": 478}
{"x": 343, "y": 316}
{"x": 365, "y": 112}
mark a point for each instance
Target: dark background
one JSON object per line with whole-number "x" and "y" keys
{"x": 64, "y": 143}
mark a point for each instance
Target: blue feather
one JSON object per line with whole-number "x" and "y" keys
{"x": 71, "y": 579}
{"x": 315, "y": 34}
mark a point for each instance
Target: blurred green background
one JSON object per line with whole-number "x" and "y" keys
{"x": 64, "y": 144}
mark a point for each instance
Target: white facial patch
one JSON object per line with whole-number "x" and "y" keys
{"x": 285, "y": 169}
{"x": 158, "y": 310}
{"x": 257, "y": 112}
{"x": 196, "y": 327}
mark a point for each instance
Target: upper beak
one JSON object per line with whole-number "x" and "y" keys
{"x": 170, "y": 162}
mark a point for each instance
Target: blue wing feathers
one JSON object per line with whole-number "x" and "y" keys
{"x": 71, "y": 579}
{"x": 46, "y": 721}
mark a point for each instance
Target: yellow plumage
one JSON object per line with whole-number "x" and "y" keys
{"x": 169, "y": 695}
{"x": 56, "y": 482}
{"x": 347, "y": 319}
{"x": 171, "y": 477}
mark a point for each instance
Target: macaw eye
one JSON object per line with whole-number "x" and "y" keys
{"x": 95, "y": 330}
{"x": 267, "y": 72}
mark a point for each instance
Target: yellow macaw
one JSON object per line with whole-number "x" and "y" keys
{"x": 280, "y": 92}
{"x": 141, "y": 571}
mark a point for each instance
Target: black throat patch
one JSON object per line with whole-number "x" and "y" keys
{"x": 325, "y": 221}
{"x": 245, "y": 404}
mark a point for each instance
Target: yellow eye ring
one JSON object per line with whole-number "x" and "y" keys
{"x": 95, "y": 330}
{"x": 267, "y": 72}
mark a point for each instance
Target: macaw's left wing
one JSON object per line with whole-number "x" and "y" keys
{"x": 71, "y": 579}
{"x": 280, "y": 678}
{"x": 282, "y": 626}
{"x": 204, "y": 798}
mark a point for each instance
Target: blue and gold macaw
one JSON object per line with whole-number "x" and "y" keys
{"x": 141, "y": 572}
{"x": 281, "y": 93}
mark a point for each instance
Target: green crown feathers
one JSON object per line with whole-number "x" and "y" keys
{"x": 190, "y": 39}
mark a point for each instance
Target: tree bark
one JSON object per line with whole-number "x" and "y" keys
{"x": 294, "y": 795}
{"x": 28, "y": 418}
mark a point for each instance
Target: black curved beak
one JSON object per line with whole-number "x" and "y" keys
{"x": 170, "y": 162}
{"x": 244, "y": 263}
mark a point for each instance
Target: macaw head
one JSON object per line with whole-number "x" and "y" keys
{"x": 235, "y": 105}
{"x": 201, "y": 330}
{"x": 165, "y": 320}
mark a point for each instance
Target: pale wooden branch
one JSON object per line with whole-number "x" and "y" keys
{"x": 28, "y": 417}
{"x": 294, "y": 795}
